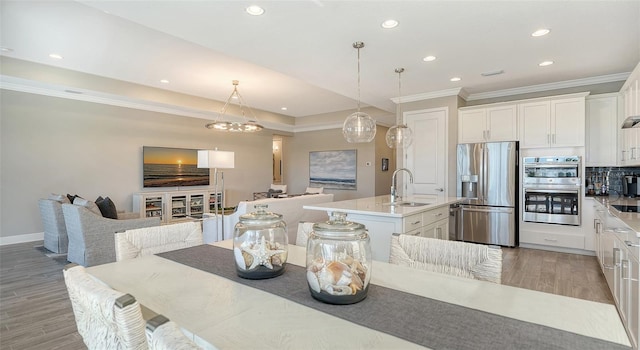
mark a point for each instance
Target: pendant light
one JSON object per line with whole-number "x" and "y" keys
{"x": 399, "y": 135}
{"x": 359, "y": 127}
{"x": 247, "y": 126}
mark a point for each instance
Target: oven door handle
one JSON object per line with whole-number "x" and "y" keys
{"x": 545, "y": 165}
{"x": 554, "y": 190}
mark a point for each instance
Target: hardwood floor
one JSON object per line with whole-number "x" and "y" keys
{"x": 572, "y": 275}
{"x": 35, "y": 312}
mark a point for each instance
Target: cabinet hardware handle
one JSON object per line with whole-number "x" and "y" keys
{"x": 550, "y": 240}
{"x": 633, "y": 153}
{"x": 622, "y": 272}
{"x": 488, "y": 135}
{"x": 439, "y": 214}
{"x": 415, "y": 222}
{"x": 549, "y": 138}
{"x": 631, "y": 244}
{"x": 440, "y": 189}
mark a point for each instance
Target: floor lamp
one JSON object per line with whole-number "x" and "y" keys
{"x": 217, "y": 160}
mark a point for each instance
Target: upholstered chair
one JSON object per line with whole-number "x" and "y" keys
{"x": 55, "y": 231}
{"x": 157, "y": 239}
{"x": 470, "y": 260}
{"x": 106, "y": 318}
{"x": 92, "y": 237}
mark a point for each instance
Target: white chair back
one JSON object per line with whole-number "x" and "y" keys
{"x": 470, "y": 260}
{"x": 157, "y": 239}
{"x": 163, "y": 334}
{"x": 106, "y": 318}
{"x": 304, "y": 230}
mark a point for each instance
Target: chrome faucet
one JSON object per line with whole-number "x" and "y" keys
{"x": 394, "y": 195}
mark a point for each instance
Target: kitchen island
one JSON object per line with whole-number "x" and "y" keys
{"x": 426, "y": 216}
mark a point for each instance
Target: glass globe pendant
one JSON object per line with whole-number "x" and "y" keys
{"x": 399, "y": 135}
{"x": 359, "y": 127}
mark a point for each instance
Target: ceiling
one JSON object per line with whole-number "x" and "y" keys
{"x": 299, "y": 54}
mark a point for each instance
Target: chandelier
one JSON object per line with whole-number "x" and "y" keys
{"x": 399, "y": 135}
{"x": 245, "y": 126}
{"x": 359, "y": 126}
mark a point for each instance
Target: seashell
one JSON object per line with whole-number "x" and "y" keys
{"x": 339, "y": 290}
{"x": 316, "y": 265}
{"x": 314, "y": 284}
{"x": 248, "y": 258}
{"x": 356, "y": 282}
{"x": 240, "y": 262}
{"x": 276, "y": 260}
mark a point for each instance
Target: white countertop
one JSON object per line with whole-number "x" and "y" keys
{"x": 230, "y": 315}
{"x": 379, "y": 206}
{"x": 630, "y": 232}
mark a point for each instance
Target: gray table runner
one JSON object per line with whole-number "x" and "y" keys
{"x": 428, "y": 322}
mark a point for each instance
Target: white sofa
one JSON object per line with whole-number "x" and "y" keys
{"x": 290, "y": 208}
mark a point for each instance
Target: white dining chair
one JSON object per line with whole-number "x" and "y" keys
{"x": 157, "y": 239}
{"x": 106, "y": 318}
{"x": 304, "y": 230}
{"x": 163, "y": 334}
{"x": 470, "y": 260}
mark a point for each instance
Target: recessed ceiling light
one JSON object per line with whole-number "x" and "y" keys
{"x": 255, "y": 10}
{"x": 429, "y": 58}
{"x": 6, "y": 49}
{"x": 540, "y": 32}
{"x": 455, "y": 79}
{"x": 284, "y": 108}
{"x": 164, "y": 81}
{"x": 390, "y": 23}
{"x": 55, "y": 56}
{"x": 545, "y": 63}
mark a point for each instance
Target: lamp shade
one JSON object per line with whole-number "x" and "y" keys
{"x": 216, "y": 159}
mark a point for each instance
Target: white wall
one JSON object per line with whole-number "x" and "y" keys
{"x": 296, "y": 156}
{"x": 50, "y": 144}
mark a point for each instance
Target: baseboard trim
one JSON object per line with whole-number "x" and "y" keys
{"x": 31, "y": 237}
{"x": 557, "y": 249}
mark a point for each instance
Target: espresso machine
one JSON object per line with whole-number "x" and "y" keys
{"x": 630, "y": 186}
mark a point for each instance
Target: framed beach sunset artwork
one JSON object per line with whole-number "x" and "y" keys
{"x": 172, "y": 167}
{"x": 333, "y": 169}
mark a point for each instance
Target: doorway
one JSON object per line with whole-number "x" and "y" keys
{"x": 427, "y": 155}
{"x": 277, "y": 160}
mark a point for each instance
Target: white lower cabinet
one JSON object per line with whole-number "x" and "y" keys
{"x": 617, "y": 249}
{"x": 433, "y": 223}
{"x": 176, "y": 205}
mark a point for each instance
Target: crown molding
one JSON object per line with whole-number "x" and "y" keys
{"x": 550, "y": 86}
{"x": 429, "y": 95}
{"x": 515, "y": 91}
{"x": 72, "y": 93}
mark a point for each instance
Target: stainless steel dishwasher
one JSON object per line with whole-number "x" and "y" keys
{"x": 455, "y": 229}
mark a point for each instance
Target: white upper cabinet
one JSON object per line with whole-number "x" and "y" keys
{"x": 555, "y": 122}
{"x": 602, "y": 130}
{"x": 485, "y": 124}
{"x": 631, "y": 93}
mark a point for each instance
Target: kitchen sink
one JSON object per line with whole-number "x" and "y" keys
{"x": 406, "y": 204}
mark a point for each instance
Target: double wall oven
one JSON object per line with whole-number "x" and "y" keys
{"x": 552, "y": 190}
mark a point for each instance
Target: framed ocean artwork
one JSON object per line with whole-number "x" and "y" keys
{"x": 333, "y": 169}
{"x": 171, "y": 167}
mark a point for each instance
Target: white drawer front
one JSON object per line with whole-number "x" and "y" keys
{"x": 412, "y": 222}
{"x": 434, "y": 215}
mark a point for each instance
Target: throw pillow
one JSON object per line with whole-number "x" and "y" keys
{"x": 87, "y": 204}
{"x": 72, "y": 197}
{"x": 107, "y": 208}
{"x": 60, "y": 198}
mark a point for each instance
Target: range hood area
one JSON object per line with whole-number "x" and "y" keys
{"x": 631, "y": 121}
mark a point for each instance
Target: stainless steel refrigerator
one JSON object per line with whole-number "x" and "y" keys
{"x": 487, "y": 177}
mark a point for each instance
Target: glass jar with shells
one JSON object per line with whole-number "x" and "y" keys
{"x": 260, "y": 244}
{"x": 339, "y": 261}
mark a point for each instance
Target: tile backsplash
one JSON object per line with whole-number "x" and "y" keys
{"x": 597, "y": 178}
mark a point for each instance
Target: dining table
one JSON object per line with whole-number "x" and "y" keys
{"x": 406, "y": 308}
